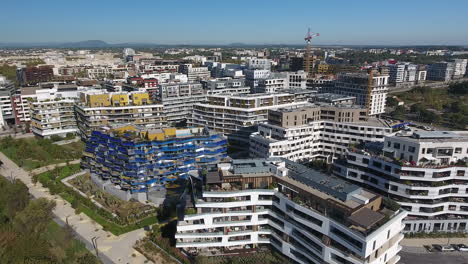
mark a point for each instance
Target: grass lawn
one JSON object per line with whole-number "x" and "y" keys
{"x": 32, "y": 153}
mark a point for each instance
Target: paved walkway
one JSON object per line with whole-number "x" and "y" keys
{"x": 53, "y": 166}
{"x": 112, "y": 249}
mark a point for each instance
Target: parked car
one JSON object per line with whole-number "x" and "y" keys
{"x": 444, "y": 248}
{"x": 460, "y": 247}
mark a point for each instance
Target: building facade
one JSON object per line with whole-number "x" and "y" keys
{"x": 178, "y": 100}
{"x": 357, "y": 85}
{"x": 425, "y": 172}
{"x": 138, "y": 161}
{"x": 308, "y": 216}
{"x": 234, "y": 115}
{"x": 97, "y": 109}
{"x": 315, "y": 132}
{"x": 225, "y": 85}
{"x": 53, "y": 117}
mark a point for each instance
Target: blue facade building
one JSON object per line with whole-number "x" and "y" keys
{"x": 141, "y": 160}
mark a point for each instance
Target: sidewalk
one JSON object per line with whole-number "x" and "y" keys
{"x": 112, "y": 249}
{"x": 53, "y": 166}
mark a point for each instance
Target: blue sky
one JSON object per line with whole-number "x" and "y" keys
{"x": 222, "y": 22}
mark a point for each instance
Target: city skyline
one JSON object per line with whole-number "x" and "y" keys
{"x": 259, "y": 22}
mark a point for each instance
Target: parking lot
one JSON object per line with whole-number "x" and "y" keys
{"x": 419, "y": 255}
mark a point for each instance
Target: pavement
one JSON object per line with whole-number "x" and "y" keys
{"x": 53, "y": 166}
{"x": 111, "y": 248}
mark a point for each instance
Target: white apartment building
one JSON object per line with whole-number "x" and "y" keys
{"x": 195, "y": 73}
{"x": 225, "y": 85}
{"x": 7, "y": 91}
{"x": 357, "y": 85}
{"x": 306, "y": 215}
{"x": 277, "y": 81}
{"x": 178, "y": 100}
{"x": 233, "y": 115}
{"x": 53, "y": 117}
{"x": 258, "y": 64}
{"x": 252, "y": 76}
{"x": 425, "y": 172}
{"x": 315, "y": 132}
{"x": 459, "y": 68}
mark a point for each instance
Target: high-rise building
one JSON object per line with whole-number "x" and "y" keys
{"x": 7, "y": 91}
{"x": 134, "y": 162}
{"x": 372, "y": 95}
{"x": 308, "y": 216}
{"x": 195, "y": 73}
{"x": 425, "y": 172}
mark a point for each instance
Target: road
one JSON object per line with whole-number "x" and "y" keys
{"x": 112, "y": 249}
{"x": 418, "y": 255}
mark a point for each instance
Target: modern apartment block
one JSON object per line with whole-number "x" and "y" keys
{"x": 277, "y": 81}
{"x": 97, "y": 109}
{"x": 315, "y": 132}
{"x": 426, "y": 172}
{"x": 459, "y": 70}
{"x": 405, "y": 73}
{"x": 134, "y": 162}
{"x": 259, "y": 64}
{"x": 234, "y": 115}
{"x": 53, "y": 117}
{"x": 34, "y": 75}
{"x": 441, "y": 71}
{"x": 357, "y": 85}
{"x": 178, "y": 100}
{"x": 7, "y": 90}
{"x": 252, "y": 77}
{"x": 195, "y": 73}
{"x": 225, "y": 85}
{"x": 310, "y": 217}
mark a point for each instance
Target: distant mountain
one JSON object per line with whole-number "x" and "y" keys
{"x": 86, "y": 44}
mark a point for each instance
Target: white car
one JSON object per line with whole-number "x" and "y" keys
{"x": 444, "y": 248}
{"x": 462, "y": 247}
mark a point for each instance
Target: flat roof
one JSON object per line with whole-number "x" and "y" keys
{"x": 249, "y": 166}
{"x": 366, "y": 218}
{"x": 328, "y": 184}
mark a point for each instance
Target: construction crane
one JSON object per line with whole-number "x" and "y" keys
{"x": 308, "y": 38}
{"x": 370, "y": 86}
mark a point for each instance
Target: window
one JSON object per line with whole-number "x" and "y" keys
{"x": 411, "y": 149}
{"x": 365, "y": 161}
{"x": 458, "y": 150}
{"x": 396, "y": 145}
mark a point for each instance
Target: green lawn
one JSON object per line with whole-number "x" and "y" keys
{"x": 32, "y": 153}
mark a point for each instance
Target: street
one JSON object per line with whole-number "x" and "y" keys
{"x": 112, "y": 249}
{"x": 418, "y": 255}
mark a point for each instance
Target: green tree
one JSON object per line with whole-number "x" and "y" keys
{"x": 35, "y": 217}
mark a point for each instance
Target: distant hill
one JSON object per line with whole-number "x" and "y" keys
{"x": 86, "y": 44}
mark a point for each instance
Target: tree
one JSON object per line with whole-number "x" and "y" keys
{"x": 35, "y": 217}
{"x": 399, "y": 112}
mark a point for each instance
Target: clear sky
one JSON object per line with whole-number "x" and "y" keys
{"x": 390, "y": 22}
